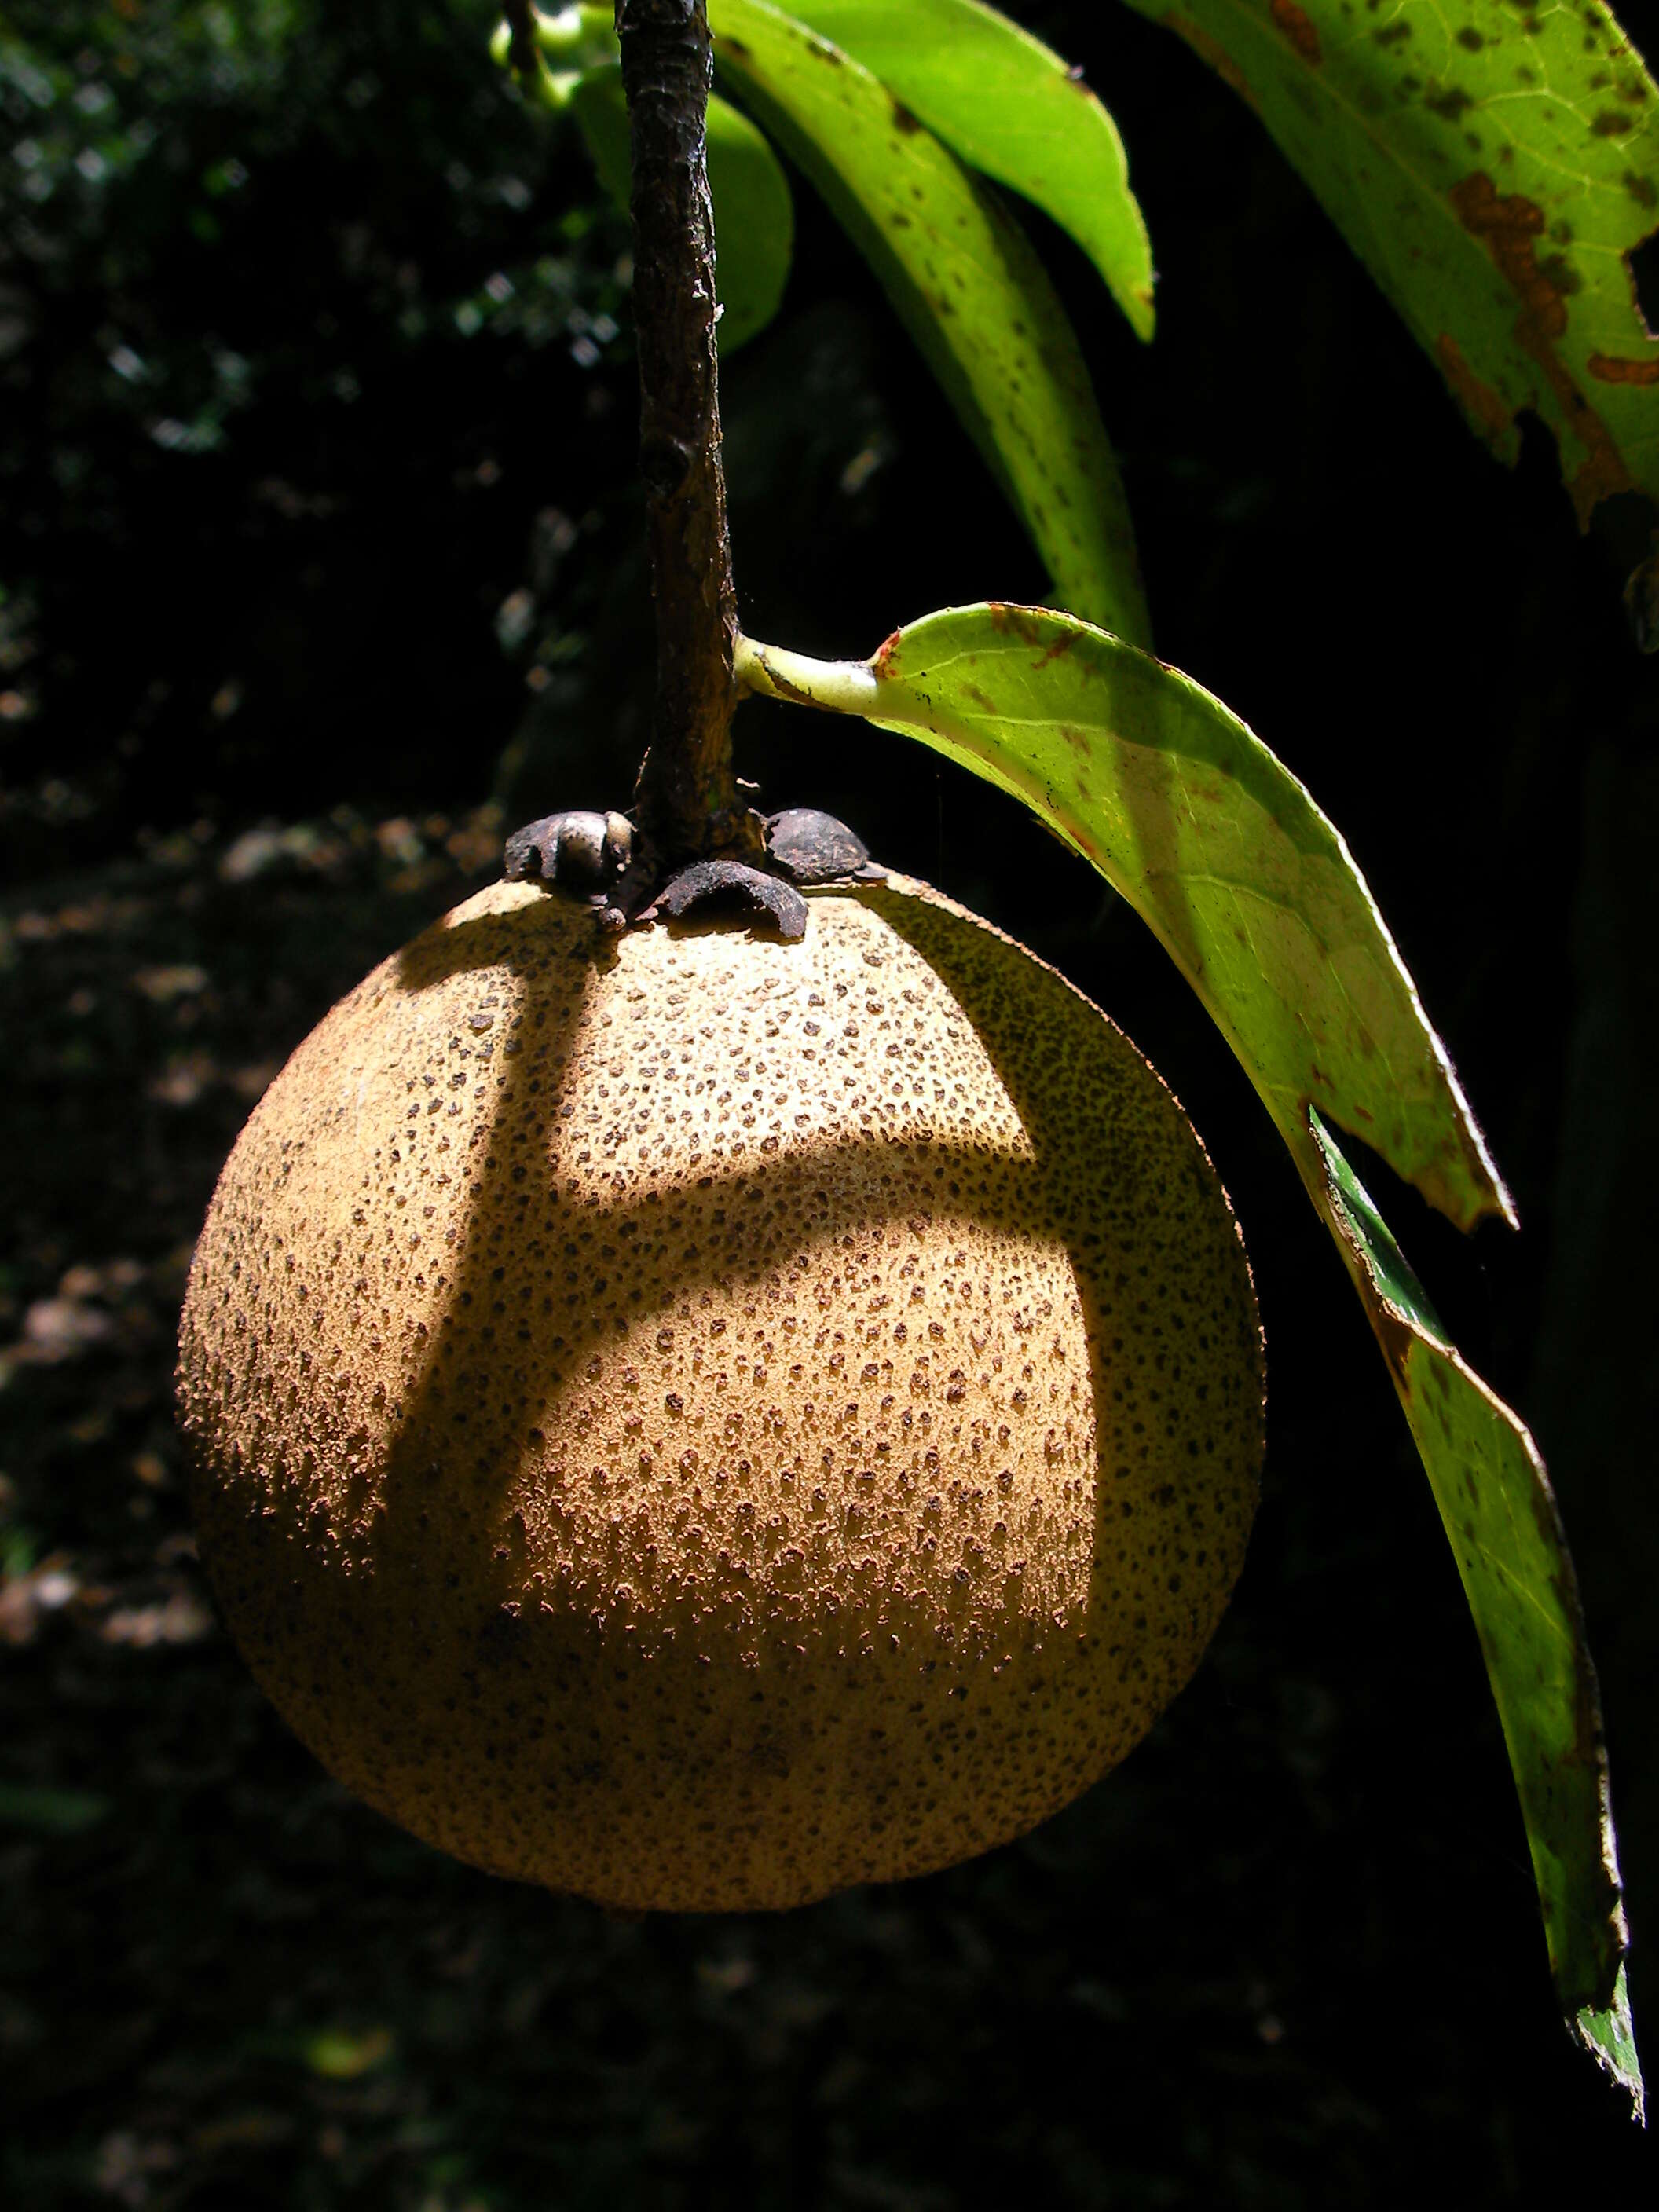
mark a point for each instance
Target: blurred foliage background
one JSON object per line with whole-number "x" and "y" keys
{"x": 320, "y": 564}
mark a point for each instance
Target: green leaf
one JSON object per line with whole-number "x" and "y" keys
{"x": 46, "y": 1812}
{"x": 1493, "y": 164}
{"x": 1259, "y": 903}
{"x": 1009, "y": 106}
{"x": 1216, "y": 846}
{"x": 965, "y": 281}
{"x": 339, "y": 2054}
{"x": 754, "y": 213}
{"x": 1608, "y": 2033}
{"x": 1500, "y": 1514}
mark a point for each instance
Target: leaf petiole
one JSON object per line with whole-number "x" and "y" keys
{"x": 772, "y": 671}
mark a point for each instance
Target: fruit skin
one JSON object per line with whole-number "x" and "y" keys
{"x": 701, "y": 1422}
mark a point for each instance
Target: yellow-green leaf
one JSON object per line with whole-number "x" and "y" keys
{"x": 1222, "y": 851}
{"x": 1011, "y": 108}
{"x": 1500, "y": 1517}
{"x": 1253, "y": 893}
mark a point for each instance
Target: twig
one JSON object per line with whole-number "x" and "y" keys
{"x": 687, "y": 799}
{"x": 527, "y": 62}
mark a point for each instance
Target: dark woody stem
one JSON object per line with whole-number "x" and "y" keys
{"x": 686, "y": 800}
{"x": 520, "y": 21}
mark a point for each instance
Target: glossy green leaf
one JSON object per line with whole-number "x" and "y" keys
{"x": 1009, "y": 107}
{"x": 754, "y": 213}
{"x": 1500, "y": 1514}
{"x": 1493, "y": 164}
{"x": 967, "y": 284}
{"x": 1216, "y": 846}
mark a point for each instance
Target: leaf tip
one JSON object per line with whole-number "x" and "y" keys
{"x": 1492, "y": 1195}
{"x": 1608, "y": 2034}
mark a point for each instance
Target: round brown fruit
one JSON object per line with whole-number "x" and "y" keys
{"x": 700, "y": 1421}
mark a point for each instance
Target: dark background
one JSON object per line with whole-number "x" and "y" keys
{"x": 320, "y": 559}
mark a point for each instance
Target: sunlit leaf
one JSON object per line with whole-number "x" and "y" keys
{"x": 1216, "y": 844}
{"x": 1500, "y": 1516}
{"x": 1009, "y": 106}
{"x": 961, "y": 275}
{"x": 1493, "y": 164}
{"x": 754, "y": 215}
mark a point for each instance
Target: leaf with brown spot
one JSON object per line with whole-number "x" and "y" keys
{"x": 1294, "y": 24}
{"x": 1481, "y": 402}
{"x": 1494, "y": 169}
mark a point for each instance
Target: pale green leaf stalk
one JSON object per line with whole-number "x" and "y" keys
{"x": 1493, "y": 166}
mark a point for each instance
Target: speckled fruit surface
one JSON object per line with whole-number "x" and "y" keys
{"x": 700, "y": 1421}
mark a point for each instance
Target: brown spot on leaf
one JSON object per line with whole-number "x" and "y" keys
{"x": 1481, "y": 402}
{"x": 1509, "y": 226}
{"x": 1212, "y": 50}
{"x": 1292, "y": 23}
{"x": 1610, "y": 124}
{"x": 1642, "y": 189}
{"x": 1470, "y": 39}
{"x": 1611, "y": 369}
{"x": 904, "y": 120}
{"x": 1450, "y": 104}
{"x": 1395, "y": 1337}
{"x": 1010, "y": 621}
{"x": 1560, "y": 272}
{"x": 1063, "y": 643}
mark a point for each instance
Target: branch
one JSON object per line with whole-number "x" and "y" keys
{"x": 687, "y": 799}
{"x": 527, "y": 62}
